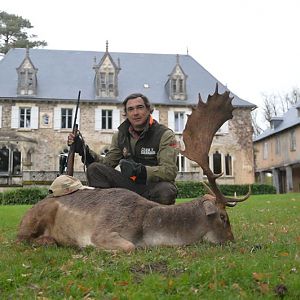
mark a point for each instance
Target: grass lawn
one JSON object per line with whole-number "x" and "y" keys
{"x": 263, "y": 263}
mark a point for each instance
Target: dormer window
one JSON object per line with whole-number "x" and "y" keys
{"x": 176, "y": 84}
{"x": 106, "y": 77}
{"x": 27, "y": 79}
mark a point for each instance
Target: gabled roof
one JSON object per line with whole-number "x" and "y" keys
{"x": 289, "y": 119}
{"x": 62, "y": 73}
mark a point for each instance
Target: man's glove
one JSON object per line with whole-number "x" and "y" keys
{"x": 86, "y": 157}
{"x": 133, "y": 170}
{"x": 78, "y": 145}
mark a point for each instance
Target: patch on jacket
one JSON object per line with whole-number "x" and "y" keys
{"x": 148, "y": 151}
{"x": 174, "y": 143}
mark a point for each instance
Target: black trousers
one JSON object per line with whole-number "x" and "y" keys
{"x": 102, "y": 176}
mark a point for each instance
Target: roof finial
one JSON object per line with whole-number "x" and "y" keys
{"x": 177, "y": 59}
{"x": 187, "y": 50}
{"x": 106, "y": 45}
{"x": 27, "y": 51}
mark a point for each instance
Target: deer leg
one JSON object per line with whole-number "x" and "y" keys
{"x": 44, "y": 240}
{"x": 111, "y": 241}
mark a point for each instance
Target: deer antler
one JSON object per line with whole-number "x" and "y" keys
{"x": 199, "y": 131}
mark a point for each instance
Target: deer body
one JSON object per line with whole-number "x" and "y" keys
{"x": 120, "y": 219}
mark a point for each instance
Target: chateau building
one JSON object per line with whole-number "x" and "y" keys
{"x": 38, "y": 96}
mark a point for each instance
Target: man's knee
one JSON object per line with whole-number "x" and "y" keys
{"x": 164, "y": 193}
{"x": 93, "y": 167}
{"x": 97, "y": 175}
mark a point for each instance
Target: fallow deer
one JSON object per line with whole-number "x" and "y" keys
{"x": 120, "y": 219}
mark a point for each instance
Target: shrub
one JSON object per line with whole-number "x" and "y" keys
{"x": 23, "y": 196}
{"x": 191, "y": 189}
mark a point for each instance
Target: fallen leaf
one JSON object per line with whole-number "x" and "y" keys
{"x": 121, "y": 283}
{"x": 212, "y": 286}
{"x": 258, "y": 276}
{"x": 263, "y": 287}
{"x": 284, "y": 254}
{"x": 170, "y": 283}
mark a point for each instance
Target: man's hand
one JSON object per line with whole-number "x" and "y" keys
{"x": 130, "y": 168}
{"x": 78, "y": 144}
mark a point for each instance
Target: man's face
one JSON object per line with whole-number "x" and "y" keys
{"x": 137, "y": 113}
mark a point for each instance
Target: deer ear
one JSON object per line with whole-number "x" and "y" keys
{"x": 209, "y": 207}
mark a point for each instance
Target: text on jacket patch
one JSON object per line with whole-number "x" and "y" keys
{"x": 148, "y": 151}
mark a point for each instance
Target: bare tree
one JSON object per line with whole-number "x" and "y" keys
{"x": 257, "y": 128}
{"x": 277, "y": 104}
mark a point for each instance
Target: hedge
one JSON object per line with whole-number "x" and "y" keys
{"x": 23, "y": 196}
{"x": 186, "y": 189}
{"x": 191, "y": 189}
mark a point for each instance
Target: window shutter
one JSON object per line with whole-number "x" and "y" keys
{"x": 57, "y": 118}
{"x": 171, "y": 119}
{"x": 34, "y": 117}
{"x": 15, "y": 117}
{"x": 155, "y": 115}
{"x": 0, "y": 116}
{"x": 116, "y": 119}
{"x": 98, "y": 113}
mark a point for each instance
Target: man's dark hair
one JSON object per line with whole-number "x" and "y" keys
{"x": 136, "y": 95}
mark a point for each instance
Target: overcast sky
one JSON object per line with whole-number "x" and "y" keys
{"x": 252, "y": 46}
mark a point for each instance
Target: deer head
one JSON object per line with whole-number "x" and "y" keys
{"x": 198, "y": 134}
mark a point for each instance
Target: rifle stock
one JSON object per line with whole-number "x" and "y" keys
{"x": 71, "y": 155}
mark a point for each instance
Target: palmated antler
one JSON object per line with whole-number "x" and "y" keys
{"x": 201, "y": 126}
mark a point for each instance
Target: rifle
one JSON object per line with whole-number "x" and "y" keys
{"x": 71, "y": 155}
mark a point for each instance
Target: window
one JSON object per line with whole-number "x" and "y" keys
{"x": 67, "y": 118}
{"x": 63, "y": 161}
{"x": 45, "y": 119}
{"x": 217, "y": 163}
{"x": 220, "y": 163}
{"x": 177, "y": 87}
{"x": 228, "y": 165}
{"x": 106, "y": 119}
{"x": 173, "y": 86}
{"x": 181, "y": 163}
{"x": 106, "y": 84}
{"x": 4, "y": 160}
{"x": 111, "y": 82}
{"x": 102, "y": 82}
{"x": 277, "y": 145}
{"x": 265, "y": 150}
{"x": 25, "y": 117}
{"x": 10, "y": 161}
{"x": 292, "y": 140}
{"x": 179, "y": 121}
{"x": 180, "y": 85}
{"x": 16, "y": 162}
{"x": 64, "y": 117}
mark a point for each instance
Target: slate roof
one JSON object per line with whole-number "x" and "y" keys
{"x": 61, "y": 73}
{"x": 289, "y": 119}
